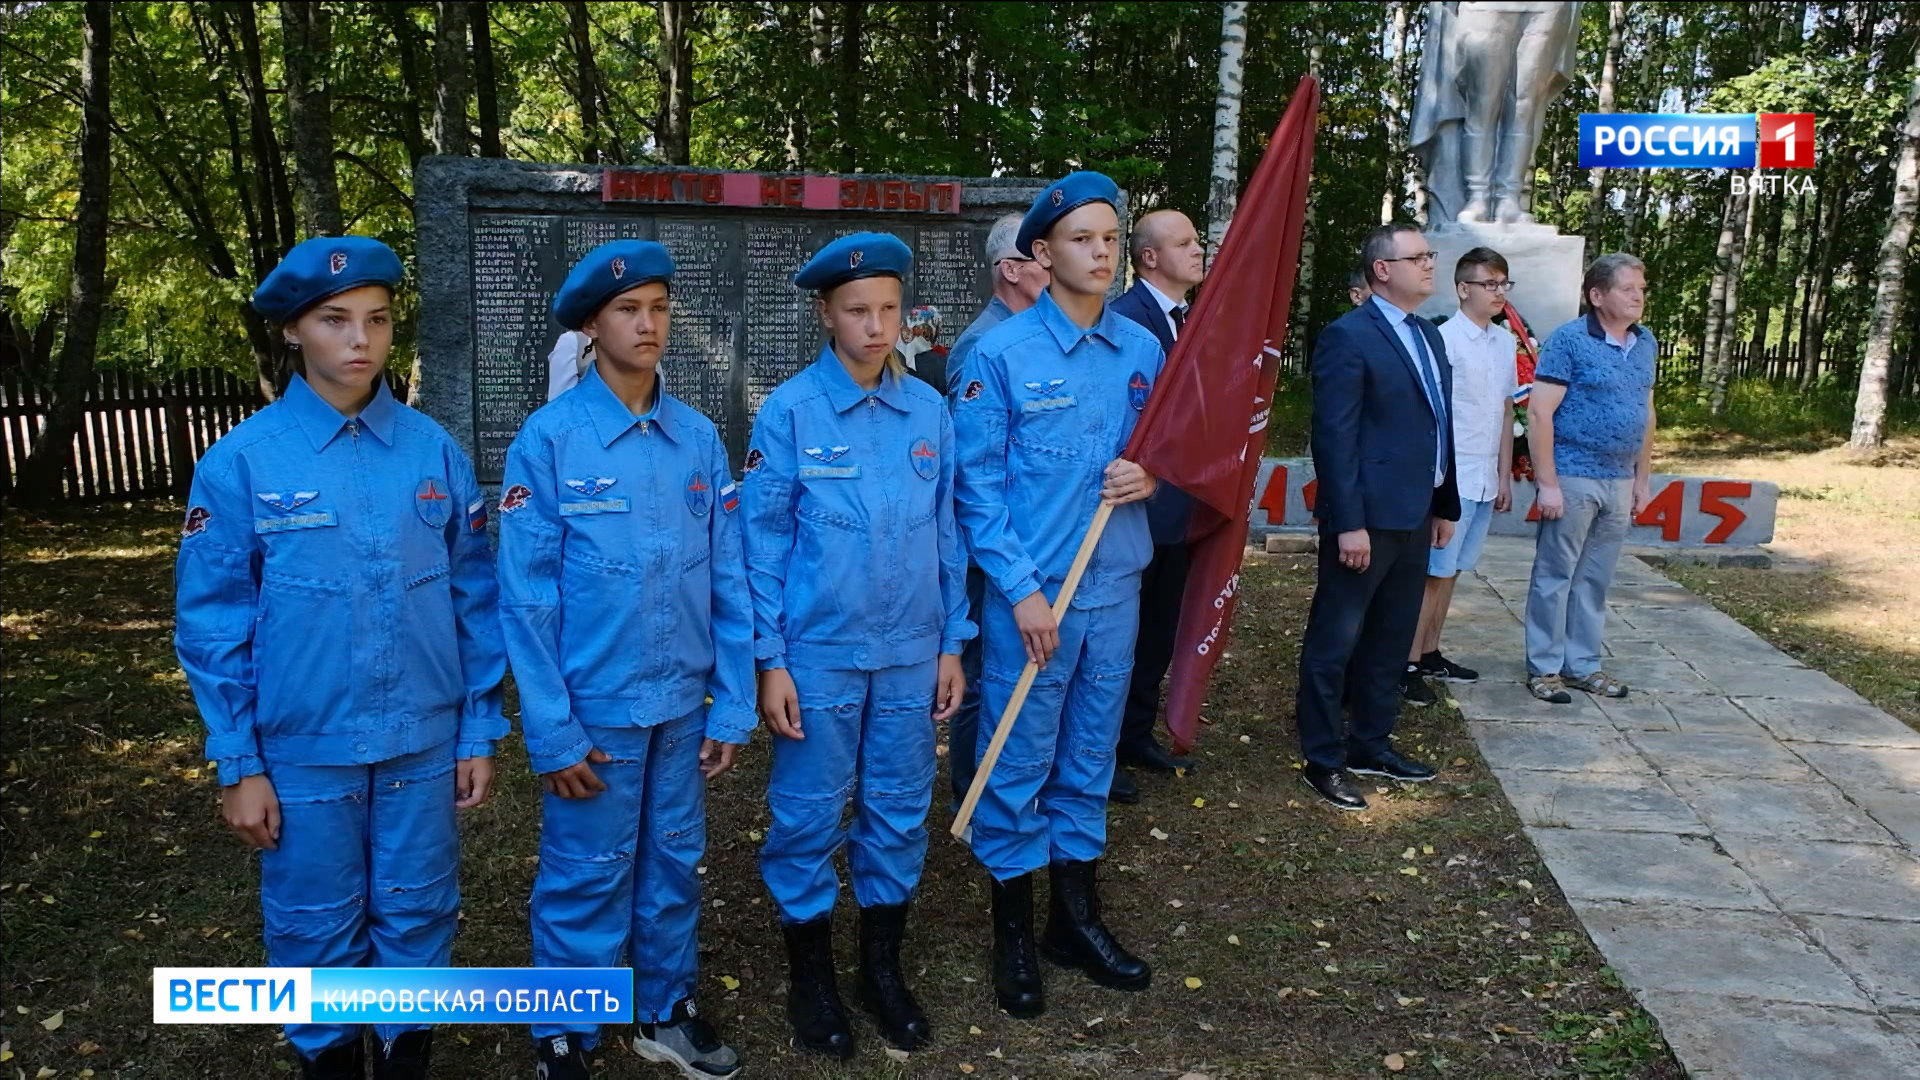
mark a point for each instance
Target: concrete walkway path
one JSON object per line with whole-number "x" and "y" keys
{"x": 1738, "y": 834}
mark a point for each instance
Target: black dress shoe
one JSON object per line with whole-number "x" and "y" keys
{"x": 1150, "y": 755}
{"x": 1334, "y": 787}
{"x": 1124, "y": 791}
{"x": 1392, "y": 765}
{"x": 1435, "y": 666}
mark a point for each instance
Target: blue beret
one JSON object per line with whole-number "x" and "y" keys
{"x": 862, "y": 255}
{"x": 321, "y": 267}
{"x": 1063, "y": 197}
{"x": 606, "y": 272}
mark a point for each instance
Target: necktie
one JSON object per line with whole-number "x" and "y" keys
{"x": 1179, "y": 315}
{"x": 1426, "y": 371}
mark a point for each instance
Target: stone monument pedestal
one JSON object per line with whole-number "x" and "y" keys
{"x": 1545, "y": 266}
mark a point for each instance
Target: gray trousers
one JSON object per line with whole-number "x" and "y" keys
{"x": 1573, "y": 563}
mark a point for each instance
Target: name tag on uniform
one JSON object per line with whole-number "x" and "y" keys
{"x": 295, "y": 521}
{"x": 829, "y": 472}
{"x": 1064, "y": 401}
{"x": 595, "y": 506}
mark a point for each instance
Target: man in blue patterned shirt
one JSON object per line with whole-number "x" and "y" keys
{"x": 1590, "y": 423}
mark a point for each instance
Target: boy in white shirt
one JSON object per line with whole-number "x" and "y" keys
{"x": 1484, "y": 382}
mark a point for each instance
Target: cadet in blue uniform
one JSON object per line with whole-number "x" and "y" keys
{"x": 336, "y": 620}
{"x": 859, "y": 604}
{"x": 625, "y": 605}
{"x": 1050, "y": 399}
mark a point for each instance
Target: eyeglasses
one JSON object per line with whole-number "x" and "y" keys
{"x": 1492, "y": 286}
{"x": 1424, "y": 258}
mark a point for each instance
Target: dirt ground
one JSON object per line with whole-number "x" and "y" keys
{"x": 1843, "y": 596}
{"x": 1423, "y": 937}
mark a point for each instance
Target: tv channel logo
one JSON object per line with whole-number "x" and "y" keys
{"x": 1696, "y": 141}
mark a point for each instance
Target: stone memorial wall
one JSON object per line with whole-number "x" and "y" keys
{"x": 496, "y": 239}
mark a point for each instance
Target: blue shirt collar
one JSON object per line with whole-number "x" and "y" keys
{"x": 843, "y": 393}
{"x": 1067, "y": 333}
{"x": 1594, "y": 329}
{"x": 1394, "y": 315}
{"x": 610, "y": 416}
{"x": 321, "y": 421}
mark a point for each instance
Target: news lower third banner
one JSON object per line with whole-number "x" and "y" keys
{"x": 391, "y": 995}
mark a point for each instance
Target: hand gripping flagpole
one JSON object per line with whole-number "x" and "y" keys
{"x": 1020, "y": 689}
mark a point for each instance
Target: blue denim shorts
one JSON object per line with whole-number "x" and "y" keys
{"x": 1462, "y": 553}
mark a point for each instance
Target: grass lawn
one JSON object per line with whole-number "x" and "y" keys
{"x": 1424, "y": 936}
{"x": 1843, "y": 596}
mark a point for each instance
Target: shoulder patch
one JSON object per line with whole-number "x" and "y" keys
{"x": 196, "y": 521}
{"x": 972, "y": 392}
{"x": 755, "y": 459}
{"x": 514, "y": 498}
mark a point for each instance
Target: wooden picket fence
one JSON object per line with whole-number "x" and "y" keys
{"x": 138, "y": 438}
{"x": 1681, "y": 362}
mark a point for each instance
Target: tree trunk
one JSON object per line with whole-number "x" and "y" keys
{"x": 413, "y": 86}
{"x": 1776, "y": 212}
{"x": 1805, "y": 222}
{"x": 270, "y": 191}
{"x": 307, "y": 43}
{"x": 479, "y": 12}
{"x": 1394, "y": 112}
{"x": 1730, "y": 225}
{"x": 1616, "y": 27}
{"x": 1870, "y": 401}
{"x": 1819, "y": 281}
{"x": 86, "y": 294}
{"x": 450, "y": 134}
{"x": 1303, "y": 282}
{"x": 847, "y": 111}
{"x": 1730, "y": 314}
{"x": 674, "y": 62}
{"x": 586, "y": 81}
{"x": 1223, "y": 187}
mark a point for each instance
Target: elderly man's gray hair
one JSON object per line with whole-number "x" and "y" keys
{"x": 1604, "y": 271}
{"x": 1001, "y": 240}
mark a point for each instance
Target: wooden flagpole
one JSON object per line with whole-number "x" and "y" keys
{"x": 1007, "y": 715}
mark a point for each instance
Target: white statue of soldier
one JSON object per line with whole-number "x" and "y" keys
{"x": 1487, "y": 75}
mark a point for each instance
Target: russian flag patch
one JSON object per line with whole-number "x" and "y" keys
{"x": 729, "y": 497}
{"x": 477, "y": 515}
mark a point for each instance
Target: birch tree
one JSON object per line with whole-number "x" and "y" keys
{"x": 450, "y": 134}
{"x": 1870, "y": 401}
{"x": 1597, "y": 179}
{"x": 307, "y": 46}
{"x": 1223, "y": 187}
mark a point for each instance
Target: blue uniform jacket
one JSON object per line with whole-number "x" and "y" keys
{"x": 852, "y": 550}
{"x": 622, "y": 591}
{"x": 335, "y": 590}
{"x": 1045, "y": 408}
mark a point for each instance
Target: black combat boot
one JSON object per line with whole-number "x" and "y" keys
{"x": 348, "y": 1061}
{"x": 813, "y": 998}
{"x": 1076, "y": 937}
{"x": 883, "y": 989}
{"x": 1016, "y": 970}
{"x": 405, "y": 1057}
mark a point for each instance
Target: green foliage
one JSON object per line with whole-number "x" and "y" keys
{"x": 1774, "y": 414}
{"x": 969, "y": 89}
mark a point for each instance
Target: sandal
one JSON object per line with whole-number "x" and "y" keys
{"x": 1548, "y": 688}
{"x": 1600, "y": 683}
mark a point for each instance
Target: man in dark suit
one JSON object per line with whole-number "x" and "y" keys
{"x": 1168, "y": 262}
{"x": 1383, "y": 456}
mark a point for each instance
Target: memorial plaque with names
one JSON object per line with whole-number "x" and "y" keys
{"x": 504, "y": 234}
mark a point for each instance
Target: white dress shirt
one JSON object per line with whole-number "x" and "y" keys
{"x": 1167, "y": 304}
{"x": 1484, "y": 383}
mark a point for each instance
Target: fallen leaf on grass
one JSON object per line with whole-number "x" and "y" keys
{"x": 1459, "y": 763}
{"x": 1157, "y": 834}
{"x": 1199, "y": 804}
{"x": 966, "y": 1068}
{"x": 1407, "y": 854}
{"x": 1410, "y": 871}
{"x": 973, "y": 1029}
{"x": 1286, "y": 992}
{"x": 45, "y": 1072}
{"x": 95, "y": 834}
{"x": 1176, "y": 903}
{"x": 1331, "y": 969}
{"x": 1525, "y": 884}
{"x": 897, "y": 1054}
{"x": 729, "y": 982}
{"x": 1195, "y": 1076}
{"x": 52, "y": 1023}
{"x": 88, "y": 1047}
{"x": 6, "y": 1052}
{"x": 1233, "y": 939}
{"x": 1193, "y": 983}
{"x": 1426, "y": 849}
{"x": 1394, "y": 1062}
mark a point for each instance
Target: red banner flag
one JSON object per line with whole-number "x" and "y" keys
{"x": 1205, "y": 425}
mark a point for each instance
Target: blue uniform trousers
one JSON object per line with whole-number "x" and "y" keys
{"x": 1047, "y": 799}
{"x": 366, "y": 874}
{"x": 620, "y": 872}
{"x": 865, "y": 730}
